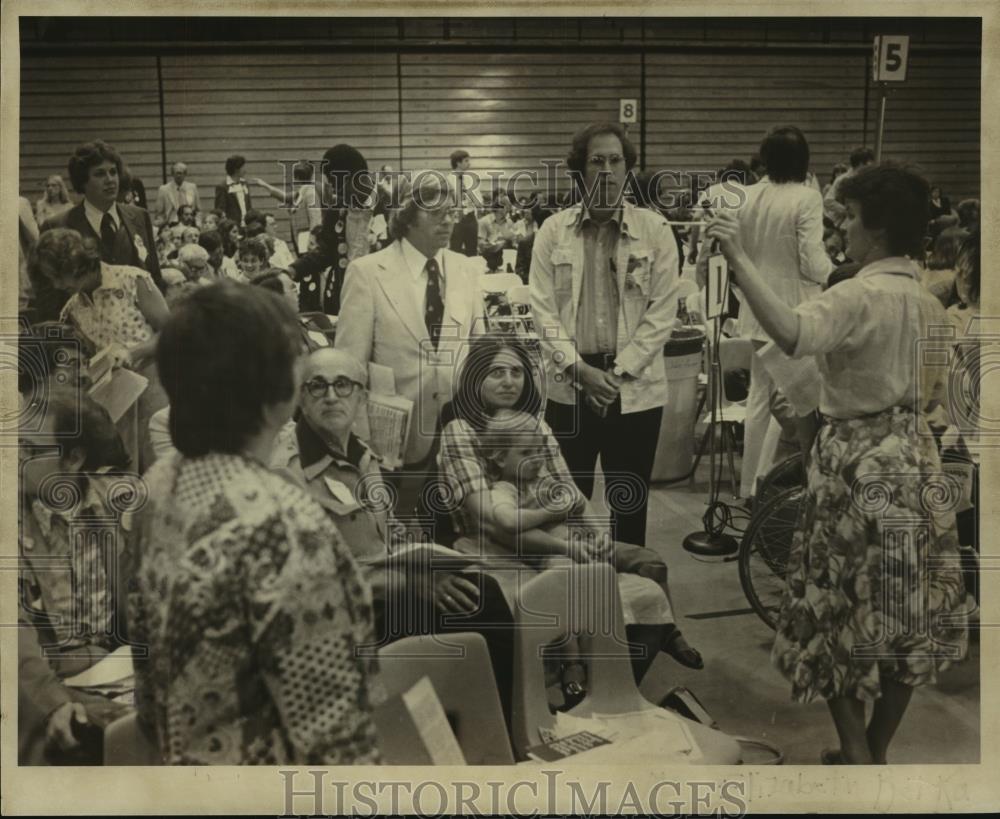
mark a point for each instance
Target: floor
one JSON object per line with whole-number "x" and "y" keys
{"x": 741, "y": 689}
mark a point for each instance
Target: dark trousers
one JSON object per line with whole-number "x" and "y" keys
{"x": 627, "y": 446}
{"x": 465, "y": 235}
{"x": 408, "y": 612}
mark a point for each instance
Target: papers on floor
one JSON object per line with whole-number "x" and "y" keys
{"x": 615, "y": 738}
{"x": 114, "y": 670}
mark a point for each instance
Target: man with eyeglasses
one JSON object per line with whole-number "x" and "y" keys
{"x": 323, "y": 453}
{"x": 412, "y": 308}
{"x": 603, "y": 291}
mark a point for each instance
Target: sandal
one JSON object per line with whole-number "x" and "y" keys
{"x": 677, "y": 647}
{"x": 831, "y": 756}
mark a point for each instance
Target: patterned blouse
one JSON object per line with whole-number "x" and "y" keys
{"x": 111, "y": 315}
{"x": 253, "y": 612}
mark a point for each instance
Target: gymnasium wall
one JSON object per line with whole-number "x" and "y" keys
{"x": 409, "y": 92}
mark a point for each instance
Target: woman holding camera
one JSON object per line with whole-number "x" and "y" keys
{"x": 869, "y": 611}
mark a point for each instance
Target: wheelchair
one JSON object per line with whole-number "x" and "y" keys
{"x": 767, "y": 541}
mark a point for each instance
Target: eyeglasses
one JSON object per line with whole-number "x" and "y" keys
{"x": 342, "y": 387}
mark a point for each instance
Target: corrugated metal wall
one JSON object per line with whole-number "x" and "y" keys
{"x": 69, "y": 100}
{"x": 703, "y": 110}
{"x": 276, "y": 107}
{"x": 508, "y": 110}
{"x": 933, "y": 120}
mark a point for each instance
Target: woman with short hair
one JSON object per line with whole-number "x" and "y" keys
{"x": 254, "y": 651}
{"x": 112, "y": 306}
{"x": 870, "y": 611}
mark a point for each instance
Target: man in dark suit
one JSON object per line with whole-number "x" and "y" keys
{"x": 233, "y": 196}
{"x": 123, "y": 233}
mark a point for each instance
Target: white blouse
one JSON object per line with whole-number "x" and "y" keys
{"x": 880, "y": 340}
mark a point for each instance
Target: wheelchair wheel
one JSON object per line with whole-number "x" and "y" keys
{"x": 784, "y": 475}
{"x": 764, "y": 550}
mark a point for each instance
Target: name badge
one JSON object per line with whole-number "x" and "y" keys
{"x": 341, "y": 493}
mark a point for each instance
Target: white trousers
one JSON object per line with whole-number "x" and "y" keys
{"x": 762, "y": 432}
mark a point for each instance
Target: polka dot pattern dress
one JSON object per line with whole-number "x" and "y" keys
{"x": 111, "y": 314}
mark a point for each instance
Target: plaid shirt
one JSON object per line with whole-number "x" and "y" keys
{"x": 462, "y": 465}
{"x": 253, "y": 612}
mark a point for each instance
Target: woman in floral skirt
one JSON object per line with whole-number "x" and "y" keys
{"x": 874, "y": 603}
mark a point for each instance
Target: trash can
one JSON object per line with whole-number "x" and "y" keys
{"x": 675, "y": 447}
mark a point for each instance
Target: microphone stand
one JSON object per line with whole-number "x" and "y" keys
{"x": 712, "y": 540}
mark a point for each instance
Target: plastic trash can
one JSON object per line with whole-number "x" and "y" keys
{"x": 675, "y": 447}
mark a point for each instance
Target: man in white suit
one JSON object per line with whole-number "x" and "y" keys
{"x": 178, "y": 191}
{"x": 781, "y": 227}
{"x": 412, "y": 307}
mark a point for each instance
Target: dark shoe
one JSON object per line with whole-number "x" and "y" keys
{"x": 573, "y": 684}
{"x": 831, "y": 756}
{"x": 677, "y": 647}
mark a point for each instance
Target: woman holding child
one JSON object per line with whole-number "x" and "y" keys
{"x": 512, "y": 490}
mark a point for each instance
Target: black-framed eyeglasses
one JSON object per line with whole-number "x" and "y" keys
{"x": 342, "y": 387}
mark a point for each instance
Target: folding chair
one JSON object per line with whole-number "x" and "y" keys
{"x": 459, "y": 668}
{"x": 583, "y": 599}
{"x": 126, "y": 744}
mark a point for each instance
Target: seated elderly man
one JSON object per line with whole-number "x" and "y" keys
{"x": 72, "y": 542}
{"x": 322, "y": 452}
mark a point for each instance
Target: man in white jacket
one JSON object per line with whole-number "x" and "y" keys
{"x": 781, "y": 227}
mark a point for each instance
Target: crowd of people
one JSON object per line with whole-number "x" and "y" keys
{"x": 255, "y": 572}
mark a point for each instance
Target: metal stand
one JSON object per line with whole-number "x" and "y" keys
{"x": 711, "y": 540}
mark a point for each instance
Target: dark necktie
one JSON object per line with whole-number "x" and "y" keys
{"x": 108, "y": 233}
{"x": 434, "y": 312}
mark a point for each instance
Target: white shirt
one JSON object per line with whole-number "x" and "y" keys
{"x": 416, "y": 262}
{"x": 872, "y": 339}
{"x": 282, "y": 256}
{"x": 240, "y": 190}
{"x": 95, "y": 215}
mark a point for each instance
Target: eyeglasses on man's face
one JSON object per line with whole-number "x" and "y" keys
{"x": 318, "y": 387}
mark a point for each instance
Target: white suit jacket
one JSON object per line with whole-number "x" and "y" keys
{"x": 380, "y": 321}
{"x": 781, "y": 228}
{"x": 169, "y": 198}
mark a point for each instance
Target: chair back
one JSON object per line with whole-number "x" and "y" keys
{"x": 126, "y": 744}
{"x": 560, "y": 602}
{"x": 459, "y": 668}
